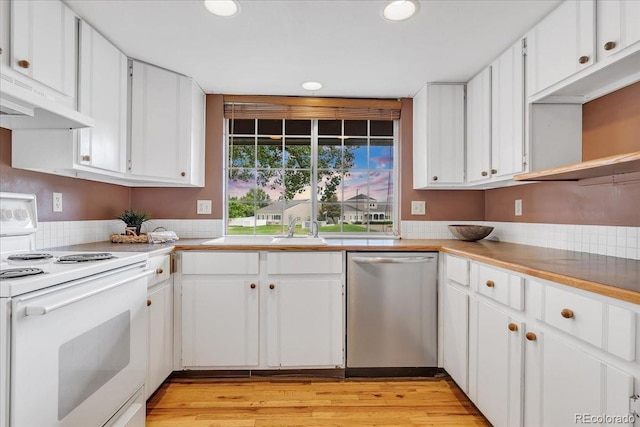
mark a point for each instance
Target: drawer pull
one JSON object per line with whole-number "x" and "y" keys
{"x": 435, "y": 178}
{"x": 490, "y": 284}
{"x": 148, "y": 302}
{"x": 513, "y": 327}
{"x": 609, "y": 45}
{"x": 484, "y": 173}
{"x": 531, "y": 336}
{"x": 583, "y": 59}
{"x": 272, "y": 286}
{"x": 252, "y": 286}
{"x": 23, "y": 63}
{"x": 566, "y": 313}
{"x": 159, "y": 271}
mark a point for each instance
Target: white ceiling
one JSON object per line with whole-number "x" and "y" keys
{"x": 273, "y": 46}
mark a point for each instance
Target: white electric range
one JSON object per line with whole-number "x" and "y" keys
{"x": 72, "y": 329}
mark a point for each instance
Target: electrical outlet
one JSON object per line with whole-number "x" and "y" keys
{"x": 518, "y": 207}
{"x": 204, "y": 207}
{"x": 57, "y": 202}
{"x": 418, "y": 207}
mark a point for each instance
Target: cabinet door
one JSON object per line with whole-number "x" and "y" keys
{"x": 495, "y": 364}
{"x": 219, "y": 322}
{"x": 305, "y": 323}
{"x": 479, "y": 127}
{"x": 561, "y": 44}
{"x": 43, "y": 39}
{"x": 438, "y": 138}
{"x": 618, "y": 26}
{"x": 456, "y": 335}
{"x": 567, "y": 382}
{"x": 507, "y": 113}
{"x": 159, "y": 335}
{"x": 103, "y": 96}
{"x": 160, "y": 123}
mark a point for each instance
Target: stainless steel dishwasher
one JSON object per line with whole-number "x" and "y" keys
{"x": 391, "y": 313}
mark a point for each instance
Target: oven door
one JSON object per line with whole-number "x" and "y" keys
{"x": 78, "y": 350}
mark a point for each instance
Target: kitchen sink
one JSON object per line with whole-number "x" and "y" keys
{"x": 266, "y": 240}
{"x": 240, "y": 240}
{"x": 299, "y": 240}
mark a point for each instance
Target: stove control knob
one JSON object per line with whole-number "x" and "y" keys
{"x": 21, "y": 214}
{"x": 6, "y": 214}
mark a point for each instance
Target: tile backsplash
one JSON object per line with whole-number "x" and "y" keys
{"x": 63, "y": 233}
{"x": 621, "y": 242}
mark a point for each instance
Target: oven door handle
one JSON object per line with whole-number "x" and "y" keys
{"x": 41, "y": 310}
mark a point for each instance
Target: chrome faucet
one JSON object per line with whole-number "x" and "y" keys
{"x": 315, "y": 225}
{"x": 292, "y": 225}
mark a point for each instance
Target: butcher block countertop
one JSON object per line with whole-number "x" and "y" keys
{"x": 613, "y": 277}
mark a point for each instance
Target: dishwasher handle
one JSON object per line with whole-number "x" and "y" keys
{"x": 392, "y": 260}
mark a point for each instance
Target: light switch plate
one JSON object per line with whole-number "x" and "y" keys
{"x": 204, "y": 207}
{"x": 518, "y": 207}
{"x": 418, "y": 207}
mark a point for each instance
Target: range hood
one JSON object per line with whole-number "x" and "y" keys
{"x": 22, "y": 107}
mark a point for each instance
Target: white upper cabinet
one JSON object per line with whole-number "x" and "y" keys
{"x": 167, "y": 126}
{"x": 618, "y": 26}
{"x": 479, "y": 127}
{"x": 103, "y": 96}
{"x": 43, "y": 43}
{"x": 438, "y": 135}
{"x": 562, "y": 44}
{"x": 507, "y": 113}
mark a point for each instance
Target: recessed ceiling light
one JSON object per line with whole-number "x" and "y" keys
{"x": 399, "y": 10}
{"x": 224, "y": 8}
{"x": 312, "y": 85}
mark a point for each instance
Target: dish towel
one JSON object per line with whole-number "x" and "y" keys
{"x": 161, "y": 236}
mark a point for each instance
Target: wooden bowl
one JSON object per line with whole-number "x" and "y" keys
{"x": 470, "y": 233}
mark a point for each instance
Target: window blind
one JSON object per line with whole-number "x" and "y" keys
{"x": 305, "y": 108}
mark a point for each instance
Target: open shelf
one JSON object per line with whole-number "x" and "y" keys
{"x": 606, "y": 166}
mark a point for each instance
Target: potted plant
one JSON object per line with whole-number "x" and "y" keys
{"x": 134, "y": 220}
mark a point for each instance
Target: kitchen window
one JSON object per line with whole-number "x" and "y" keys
{"x": 339, "y": 172}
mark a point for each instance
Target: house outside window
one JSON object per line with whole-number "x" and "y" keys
{"x": 338, "y": 172}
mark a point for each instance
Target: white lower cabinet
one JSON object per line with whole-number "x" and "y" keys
{"x": 565, "y": 385}
{"x": 159, "y": 324}
{"x": 261, "y": 310}
{"x": 539, "y": 353}
{"x": 495, "y": 363}
{"x": 304, "y": 323}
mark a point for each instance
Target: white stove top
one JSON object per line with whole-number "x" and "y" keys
{"x": 55, "y": 273}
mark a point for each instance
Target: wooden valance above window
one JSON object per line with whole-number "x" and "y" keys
{"x": 304, "y": 108}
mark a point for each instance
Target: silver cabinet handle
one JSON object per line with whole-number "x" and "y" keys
{"x": 398, "y": 260}
{"x": 41, "y": 310}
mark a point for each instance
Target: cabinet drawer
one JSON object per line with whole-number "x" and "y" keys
{"x": 162, "y": 266}
{"x": 621, "y": 332}
{"x": 457, "y": 270}
{"x": 304, "y": 262}
{"x": 220, "y": 262}
{"x": 499, "y": 285}
{"x": 575, "y": 314}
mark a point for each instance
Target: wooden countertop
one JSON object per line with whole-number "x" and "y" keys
{"x": 613, "y": 277}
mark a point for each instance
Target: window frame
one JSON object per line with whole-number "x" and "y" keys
{"x": 394, "y": 232}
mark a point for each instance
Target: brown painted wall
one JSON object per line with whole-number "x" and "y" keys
{"x": 180, "y": 203}
{"x": 611, "y": 124}
{"x": 442, "y": 205}
{"x": 566, "y": 203}
{"x": 81, "y": 200}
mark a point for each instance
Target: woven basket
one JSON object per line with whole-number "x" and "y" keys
{"x": 122, "y": 238}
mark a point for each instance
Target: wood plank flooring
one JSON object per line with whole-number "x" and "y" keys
{"x": 285, "y": 402}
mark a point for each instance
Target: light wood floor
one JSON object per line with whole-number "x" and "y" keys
{"x": 311, "y": 402}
